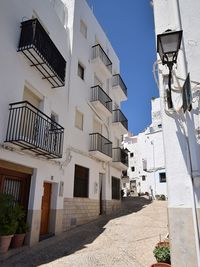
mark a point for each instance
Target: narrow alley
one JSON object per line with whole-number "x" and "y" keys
{"x": 124, "y": 239}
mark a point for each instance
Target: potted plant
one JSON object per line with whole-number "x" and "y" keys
{"x": 162, "y": 254}
{"x": 8, "y": 221}
{"x": 19, "y": 236}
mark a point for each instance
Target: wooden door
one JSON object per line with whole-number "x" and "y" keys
{"x": 45, "y": 209}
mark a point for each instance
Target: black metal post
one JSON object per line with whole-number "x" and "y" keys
{"x": 169, "y": 93}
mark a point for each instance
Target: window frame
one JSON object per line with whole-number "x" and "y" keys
{"x": 161, "y": 178}
{"x": 78, "y": 112}
{"x": 80, "y": 189}
{"x": 81, "y": 71}
{"x": 143, "y": 178}
{"x": 116, "y": 190}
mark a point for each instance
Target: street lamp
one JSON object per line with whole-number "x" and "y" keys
{"x": 168, "y": 44}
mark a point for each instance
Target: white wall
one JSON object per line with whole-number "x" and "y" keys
{"x": 179, "y": 127}
{"x": 15, "y": 72}
{"x": 79, "y": 96}
{"x": 148, "y": 146}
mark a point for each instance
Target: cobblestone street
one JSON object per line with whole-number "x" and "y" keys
{"x": 122, "y": 240}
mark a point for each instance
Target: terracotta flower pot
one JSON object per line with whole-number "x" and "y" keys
{"x": 162, "y": 244}
{"x": 17, "y": 240}
{"x": 5, "y": 243}
{"x": 160, "y": 264}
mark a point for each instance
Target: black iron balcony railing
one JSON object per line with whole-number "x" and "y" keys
{"x": 97, "y": 51}
{"x": 38, "y": 47}
{"x": 98, "y": 94}
{"x": 31, "y": 129}
{"x": 119, "y": 155}
{"x": 117, "y": 81}
{"x": 99, "y": 143}
{"x": 124, "y": 174}
{"x": 118, "y": 116}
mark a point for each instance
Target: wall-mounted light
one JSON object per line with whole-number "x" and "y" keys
{"x": 168, "y": 45}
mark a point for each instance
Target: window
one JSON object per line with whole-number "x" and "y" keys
{"x": 81, "y": 181}
{"x": 132, "y": 155}
{"x": 83, "y": 29}
{"x": 31, "y": 97}
{"x": 143, "y": 178}
{"x": 115, "y": 188}
{"x": 81, "y": 71}
{"x": 132, "y": 169}
{"x": 79, "y": 120}
{"x": 162, "y": 177}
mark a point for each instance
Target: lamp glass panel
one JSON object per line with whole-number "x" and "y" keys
{"x": 160, "y": 51}
{"x": 170, "y": 42}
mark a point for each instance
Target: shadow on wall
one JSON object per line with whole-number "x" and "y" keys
{"x": 69, "y": 242}
{"x": 189, "y": 152}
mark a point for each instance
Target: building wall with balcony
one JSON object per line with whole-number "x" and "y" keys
{"x": 16, "y": 77}
{"x": 90, "y": 88}
{"x": 179, "y": 130}
{"x": 69, "y": 106}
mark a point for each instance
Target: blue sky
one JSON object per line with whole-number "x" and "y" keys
{"x": 129, "y": 26}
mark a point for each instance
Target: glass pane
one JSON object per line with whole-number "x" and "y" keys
{"x": 170, "y": 42}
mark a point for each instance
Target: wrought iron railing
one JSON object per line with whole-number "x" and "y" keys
{"x": 97, "y": 51}
{"x": 98, "y": 94}
{"x": 119, "y": 155}
{"x": 99, "y": 143}
{"x": 38, "y": 47}
{"x": 33, "y": 130}
{"x": 117, "y": 80}
{"x": 124, "y": 174}
{"x": 118, "y": 116}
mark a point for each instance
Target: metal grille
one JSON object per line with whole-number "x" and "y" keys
{"x": 118, "y": 116}
{"x": 38, "y": 47}
{"x": 99, "y": 52}
{"x": 31, "y": 129}
{"x": 98, "y": 94}
{"x": 119, "y": 155}
{"x": 117, "y": 80}
{"x": 12, "y": 187}
{"x": 101, "y": 144}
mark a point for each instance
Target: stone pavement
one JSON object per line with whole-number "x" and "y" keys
{"x": 121, "y": 240}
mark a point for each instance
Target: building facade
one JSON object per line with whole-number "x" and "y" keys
{"x": 146, "y": 170}
{"x": 180, "y": 129}
{"x": 60, "y": 122}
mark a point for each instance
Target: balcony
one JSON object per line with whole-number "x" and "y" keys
{"x": 101, "y": 61}
{"x": 119, "y": 88}
{"x": 125, "y": 177}
{"x": 100, "y": 147}
{"x": 38, "y": 47}
{"x": 120, "y": 122}
{"x": 32, "y": 130}
{"x": 120, "y": 158}
{"x": 101, "y": 101}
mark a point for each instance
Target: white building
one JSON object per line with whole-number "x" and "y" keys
{"x": 60, "y": 118}
{"x": 146, "y": 170}
{"x": 180, "y": 129}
